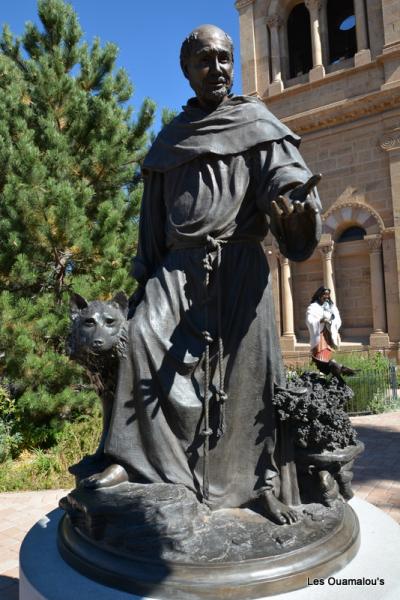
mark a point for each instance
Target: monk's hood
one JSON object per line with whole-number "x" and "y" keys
{"x": 235, "y": 126}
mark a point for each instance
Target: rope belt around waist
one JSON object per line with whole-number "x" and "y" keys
{"x": 210, "y": 242}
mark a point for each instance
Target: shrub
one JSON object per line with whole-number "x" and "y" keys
{"x": 370, "y": 384}
{"x": 48, "y": 469}
{"x": 10, "y": 437}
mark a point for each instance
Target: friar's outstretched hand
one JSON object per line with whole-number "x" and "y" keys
{"x": 296, "y": 220}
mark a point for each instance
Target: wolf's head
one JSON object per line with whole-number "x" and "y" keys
{"x": 98, "y": 328}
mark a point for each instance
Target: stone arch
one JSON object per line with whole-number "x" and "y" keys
{"x": 298, "y": 30}
{"x": 351, "y": 262}
{"x": 279, "y": 11}
{"x": 342, "y": 42}
{"x": 341, "y": 216}
{"x": 282, "y": 7}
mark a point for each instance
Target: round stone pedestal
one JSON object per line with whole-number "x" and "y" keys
{"x": 142, "y": 538}
{"x": 373, "y": 573}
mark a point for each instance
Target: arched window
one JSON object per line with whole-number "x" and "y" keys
{"x": 341, "y": 30}
{"x": 299, "y": 41}
{"x": 351, "y": 234}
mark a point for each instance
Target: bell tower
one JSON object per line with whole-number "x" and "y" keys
{"x": 330, "y": 70}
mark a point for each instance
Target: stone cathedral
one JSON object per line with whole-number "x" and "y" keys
{"x": 330, "y": 70}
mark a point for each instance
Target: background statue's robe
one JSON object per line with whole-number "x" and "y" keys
{"x": 208, "y": 175}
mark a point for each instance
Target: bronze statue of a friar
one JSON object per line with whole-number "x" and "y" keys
{"x": 197, "y": 456}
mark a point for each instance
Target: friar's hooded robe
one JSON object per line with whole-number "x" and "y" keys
{"x": 204, "y": 329}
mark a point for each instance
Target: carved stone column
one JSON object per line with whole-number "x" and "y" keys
{"x": 390, "y": 144}
{"x": 248, "y": 58}
{"x": 323, "y": 31}
{"x": 363, "y": 55}
{"x": 326, "y": 250}
{"x": 361, "y": 25}
{"x": 379, "y": 337}
{"x": 274, "y": 22}
{"x": 318, "y": 71}
{"x": 288, "y": 339}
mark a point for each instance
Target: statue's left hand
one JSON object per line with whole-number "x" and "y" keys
{"x": 296, "y": 221}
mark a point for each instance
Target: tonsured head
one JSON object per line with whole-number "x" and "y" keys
{"x": 207, "y": 62}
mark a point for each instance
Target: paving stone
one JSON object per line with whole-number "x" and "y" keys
{"x": 6, "y": 565}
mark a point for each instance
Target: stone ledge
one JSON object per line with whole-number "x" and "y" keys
{"x": 305, "y": 85}
{"x": 344, "y": 111}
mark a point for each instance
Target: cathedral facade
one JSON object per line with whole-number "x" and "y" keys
{"x": 330, "y": 70}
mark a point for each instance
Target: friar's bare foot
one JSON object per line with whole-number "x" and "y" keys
{"x": 276, "y": 510}
{"x": 112, "y": 475}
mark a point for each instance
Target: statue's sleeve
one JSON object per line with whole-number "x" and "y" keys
{"x": 278, "y": 168}
{"x": 151, "y": 243}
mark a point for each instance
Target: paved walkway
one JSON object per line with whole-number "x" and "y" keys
{"x": 377, "y": 471}
{"x": 376, "y": 479}
{"x": 19, "y": 511}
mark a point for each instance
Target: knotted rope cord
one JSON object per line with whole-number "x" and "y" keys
{"x": 221, "y": 395}
{"x": 212, "y": 244}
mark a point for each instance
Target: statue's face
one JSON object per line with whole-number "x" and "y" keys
{"x": 209, "y": 68}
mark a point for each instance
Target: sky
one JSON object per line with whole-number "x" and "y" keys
{"x": 148, "y": 33}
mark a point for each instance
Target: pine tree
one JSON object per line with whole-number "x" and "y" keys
{"x": 69, "y": 199}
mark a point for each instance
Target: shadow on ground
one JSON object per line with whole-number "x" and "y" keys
{"x": 380, "y": 459}
{"x": 8, "y": 588}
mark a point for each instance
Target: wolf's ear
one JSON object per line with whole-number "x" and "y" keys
{"x": 121, "y": 299}
{"x": 76, "y": 304}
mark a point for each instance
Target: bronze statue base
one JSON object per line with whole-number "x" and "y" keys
{"x": 157, "y": 540}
